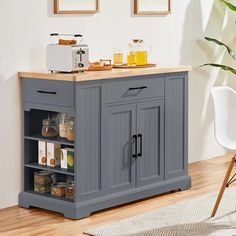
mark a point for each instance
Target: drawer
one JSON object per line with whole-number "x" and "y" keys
{"x": 134, "y": 88}
{"x": 59, "y": 93}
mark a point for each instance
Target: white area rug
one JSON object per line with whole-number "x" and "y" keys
{"x": 188, "y": 218}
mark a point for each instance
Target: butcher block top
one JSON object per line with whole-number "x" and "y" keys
{"x": 100, "y": 75}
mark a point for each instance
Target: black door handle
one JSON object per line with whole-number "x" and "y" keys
{"x": 140, "y": 136}
{"x": 138, "y": 88}
{"x": 135, "y": 146}
{"x": 47, "y": 92}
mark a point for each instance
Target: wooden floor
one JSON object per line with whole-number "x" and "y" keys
{"x": 207, "y": 177}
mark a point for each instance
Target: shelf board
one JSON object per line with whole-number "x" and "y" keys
{"x": 56, "y": 169}
{"x": 39, "y": 137}
{"x": 49, "y": 196}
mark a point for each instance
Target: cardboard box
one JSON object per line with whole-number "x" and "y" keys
{"x": 53, "y": 154}
{"x": 67, "y": 154}
{"x": 42, "y": 153}
{"x": 70, "y": 159}
{"x": 63, "y": 153}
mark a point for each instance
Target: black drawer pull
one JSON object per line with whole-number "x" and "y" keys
{"x": 141, "y": 145}
{"x": 135, "y": 146}
{"x": 138, "y": 88}
{"x": 47, "y": 92}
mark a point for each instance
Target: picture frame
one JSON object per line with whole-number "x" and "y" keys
{"x": 152, "y": 7}
{"x": 76, "y": 6}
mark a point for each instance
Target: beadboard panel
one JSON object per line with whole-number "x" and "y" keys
{"x": 89, "y": 101}
{"x": 121, "y": 127}
{"x": 176, "y": 125}
{"x": 150, "y": 116}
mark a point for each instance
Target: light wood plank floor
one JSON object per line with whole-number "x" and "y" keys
{"x": 207, "y": 177}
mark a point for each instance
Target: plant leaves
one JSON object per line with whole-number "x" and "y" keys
{"x": 229, "y": 5}
{"x": 231, "y": 52}
{"x": 223, "y": 67}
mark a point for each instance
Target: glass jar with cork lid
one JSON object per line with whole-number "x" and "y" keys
{"x": 70, "y": 130}
{"x": 49, "y": 128}
{"x": 63, "y": 119}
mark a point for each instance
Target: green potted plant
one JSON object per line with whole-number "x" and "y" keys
{"x": 231, "y": 52}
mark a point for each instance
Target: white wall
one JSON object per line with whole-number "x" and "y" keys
{"x": 175, "y": 39}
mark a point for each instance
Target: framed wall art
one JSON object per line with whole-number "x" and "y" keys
{"x": 152, "y": 7}
{"x": 76, "y": 6}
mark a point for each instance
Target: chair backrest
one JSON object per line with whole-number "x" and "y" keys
{"x": 225, "y": 116}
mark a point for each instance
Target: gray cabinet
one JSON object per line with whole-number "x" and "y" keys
{"x": 130, "y": 139}
{"x": 135, "y": 141}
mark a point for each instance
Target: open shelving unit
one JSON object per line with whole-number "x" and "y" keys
{"x": 32, "y": 124}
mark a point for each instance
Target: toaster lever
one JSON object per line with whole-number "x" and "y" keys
{"x": 80, "y": 52}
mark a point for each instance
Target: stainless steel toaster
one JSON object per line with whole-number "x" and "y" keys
{"x": 67, "y": 58}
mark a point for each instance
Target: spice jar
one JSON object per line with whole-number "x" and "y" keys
{"x": 70, "y": 187}
{"x": 49, "y": 128}
{"x": 42, "y": 181}
{"x": 63, "y": 123}
{"x": 70, "y": 130}
{"x": 58, "y": 189}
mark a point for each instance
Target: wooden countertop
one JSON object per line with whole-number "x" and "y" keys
{"x": 98, "y": 75}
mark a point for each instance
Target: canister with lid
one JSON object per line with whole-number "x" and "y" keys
{"x": 49, "y": 128}
{"x": 58, "y": 189}
{"x": 70, "y": 188}
{"x": 70, "y": 130}
{"x": 63, "y": 119}
{"x": 43, "y": 181}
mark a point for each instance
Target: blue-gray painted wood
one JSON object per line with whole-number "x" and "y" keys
{"x": 121, "y": 126}
{"x": 106, "y": 119}
{"x": 83, "y": 209}
{"x": 89, "y": 131}
{"x": 27, "y": 106}
{"x": 48, "y": 92}
{"x": 150, "y": 117}
{"x": 119, "y": 90}
{"x": 176, "y": 125}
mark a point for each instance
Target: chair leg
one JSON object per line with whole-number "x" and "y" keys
{"x": 231, "y": 165}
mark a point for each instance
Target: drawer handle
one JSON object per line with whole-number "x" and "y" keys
{"x": 135, "y": 146}
{"x": 141, "y": 145}
{"x": 138, "y": 88}
{"x": 47, "y": 92}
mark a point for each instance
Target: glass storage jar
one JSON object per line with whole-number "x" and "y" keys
{"x": 70, "y": 130}
{"x": 58, "y": 189}
{"x": 63, "y": 119}
{"x": 49, "y": 128}
{"x": 43, "y": 181}
{"x": 70, "y": 188}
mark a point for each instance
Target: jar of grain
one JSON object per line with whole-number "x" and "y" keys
{"x": 63, "y": 119}
{"x": 58, "y": 189}
{"x": 70, "y": 188}
{"x": 49, "y": 128}
{"x": 43, "y": 181}
{"x": 70, "y": 130}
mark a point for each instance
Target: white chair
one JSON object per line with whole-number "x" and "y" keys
{"x": 225, "y": 130}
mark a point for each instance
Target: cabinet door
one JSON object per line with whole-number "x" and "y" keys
{"x": 121, "y": 126}
{"x": 176, "y": 125}
{"x": 150, "y": 127}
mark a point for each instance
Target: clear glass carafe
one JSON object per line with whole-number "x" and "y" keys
{"x": 141, "y": 50}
